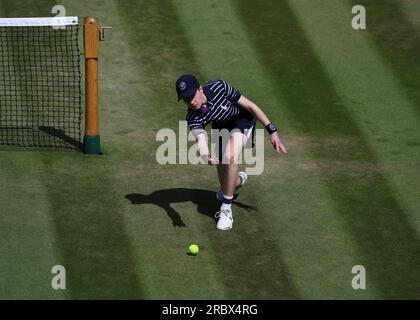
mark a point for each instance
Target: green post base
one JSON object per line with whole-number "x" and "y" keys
{"x": 91, "y": 145}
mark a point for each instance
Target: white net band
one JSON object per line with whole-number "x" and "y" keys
{"x": 38, "y": 22}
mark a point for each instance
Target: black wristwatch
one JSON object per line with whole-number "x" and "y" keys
{"x": 270, "y": 128}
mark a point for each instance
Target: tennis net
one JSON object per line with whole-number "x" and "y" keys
{"x": 40, "y": 82}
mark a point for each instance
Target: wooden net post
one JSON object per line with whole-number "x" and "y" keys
{"x": 91, "y": 140}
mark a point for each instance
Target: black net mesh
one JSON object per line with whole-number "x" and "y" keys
{"x": 40, "y": 87}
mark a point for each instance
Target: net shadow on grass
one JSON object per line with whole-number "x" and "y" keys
{"x": 205, "y": 200}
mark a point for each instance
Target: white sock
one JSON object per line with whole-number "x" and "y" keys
{"x": 226, "y": 206}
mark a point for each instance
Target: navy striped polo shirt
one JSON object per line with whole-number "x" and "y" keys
{"x": 221, "y": 106}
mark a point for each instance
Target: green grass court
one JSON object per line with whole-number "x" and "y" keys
{"x": 347, "y": 104}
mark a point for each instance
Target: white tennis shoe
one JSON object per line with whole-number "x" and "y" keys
{"x": 225, "y": 221}
{"x": 243, "y": 177}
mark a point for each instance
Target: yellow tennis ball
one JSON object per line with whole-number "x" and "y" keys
{"x": 193, "y": 249}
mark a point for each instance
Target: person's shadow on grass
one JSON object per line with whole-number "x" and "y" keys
{"x": 205, "y": 200}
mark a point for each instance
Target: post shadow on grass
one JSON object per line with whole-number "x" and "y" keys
{"x": 205, "y": 200}
{"x": 37, "y": 138}
{"x": 60, "y": 134}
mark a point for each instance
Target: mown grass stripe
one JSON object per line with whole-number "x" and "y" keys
{"x": 219, "y": 39}
{"x": 88, "y": 225}
{"x": 394, "y": 29}
{"x": 28, "y": 247}
{"x": 28, "y": 238}
{"x": 379, "y": 110}
{"x": 159, "y": 53}
{"x": 221, "y": 49}
{"x": 363, "y": 199}
{"x": 411, "y": 11}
